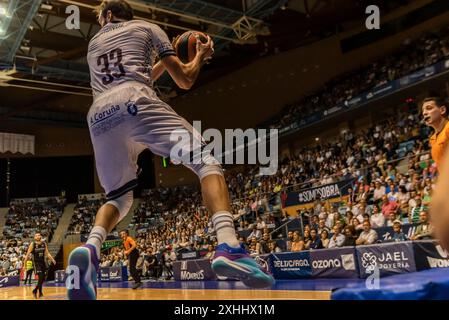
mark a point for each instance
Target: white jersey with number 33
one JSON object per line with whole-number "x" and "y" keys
{"x": 125, "y": 51}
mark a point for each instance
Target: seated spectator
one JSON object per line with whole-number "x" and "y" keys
{"x": 105, "y": 263}
{"x": 368, "y": 236}
{"x": 389, "y": 206}
{"x": 243, "y": 242}
{"x": 210, "y": 252}
{"x": 307, "y": 239}
{"x": 357, "y": 225}
{"x": 273, "y": 246}
{"x": 117, "y": 262}
{"x": 391, "y": 220}
{"x": 348, "y": 218}
{"x": 260, "y": 224}
{"x": 150, "y": 264}
{"x": 324, "y": 236}
{"x": 415, "y": 211}
{"x": 315, "y": 241}
{"x": 289, "y": 241}
{"x": 255, "y": 233}
{"x": 424, "y": 230}
{"x": 377, "y": 218}
{"x": 169, "y": 257}
{"x": 337, "y": 238}
{"x": 322, "y": 226}
{"x": 263, "y": 244}
{"x": 379, "y": 191}
{"x": 314, "y": 223}
{"x": 398, "y": 235}
{"x": 253, "y": 250}
{"x": 297, "y": 242}
{"x": 350, "y": 238}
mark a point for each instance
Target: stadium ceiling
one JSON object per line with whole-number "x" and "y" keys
{"x": 40, "y": 56}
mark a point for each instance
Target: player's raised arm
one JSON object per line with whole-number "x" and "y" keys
{"x": 185, "y": 75}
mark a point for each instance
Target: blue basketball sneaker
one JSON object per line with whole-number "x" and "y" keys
{"x": 235, "y": 263}
{"x": 85, "y": 258}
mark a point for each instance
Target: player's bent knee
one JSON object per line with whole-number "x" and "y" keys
{"x": 123, "y": 204}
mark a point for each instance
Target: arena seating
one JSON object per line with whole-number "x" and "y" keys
{"x": 27, "y": 216}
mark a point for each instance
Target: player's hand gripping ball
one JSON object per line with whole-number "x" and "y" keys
{"x": 186, "y": 45}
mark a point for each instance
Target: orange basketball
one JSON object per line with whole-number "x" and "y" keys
{"x": 186, "y": 45}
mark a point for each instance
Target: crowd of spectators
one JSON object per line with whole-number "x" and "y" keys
{"x": 412, "y": 56}
{"x": 153, "y": 263}
{"x": 390, "y": 169}
{"x": 24, "y": 218}
{"x": 389, "y": 165}
{"x": 84, "y": 215}
{"x": 12, "y": 252}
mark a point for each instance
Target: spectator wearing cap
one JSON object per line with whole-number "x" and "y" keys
{"x": 398, "y": 235}
{"x": 377, "y": 219}
{"x": 368, "y": 235}
{"x": 425, "y": 229}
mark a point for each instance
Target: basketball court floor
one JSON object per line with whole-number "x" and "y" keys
{"x": 191, "y": 290}
{"x": 425, "y": 285}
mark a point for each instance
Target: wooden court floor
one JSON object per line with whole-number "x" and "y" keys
{"x": 59, "y": 293}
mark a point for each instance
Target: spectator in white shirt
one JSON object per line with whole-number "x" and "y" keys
{"x": 379, "y": 191}
{"x": 377, "y": 218}
{"x": 330, "y": 220}
{"x": 391, "y": 219}
{"x": 368, "y": 235}
{"x": 260, "y": 224}
{"x": 337, "y": 239}
{"x": 256, "y": 233}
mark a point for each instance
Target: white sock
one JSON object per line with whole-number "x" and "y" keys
{"x": 223, "y": 223}
{"x": 96, "y": 238}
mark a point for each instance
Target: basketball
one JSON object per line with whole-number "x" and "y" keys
{"x": 186, "y": 45}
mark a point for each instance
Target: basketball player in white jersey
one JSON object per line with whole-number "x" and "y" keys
{"x": 127, "y": 117}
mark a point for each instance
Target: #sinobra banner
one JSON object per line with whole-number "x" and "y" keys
{"x": 329, "y": 191}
